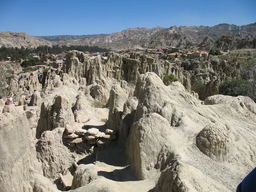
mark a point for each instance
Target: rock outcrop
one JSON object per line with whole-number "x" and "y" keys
{"x": 231, "y": 42}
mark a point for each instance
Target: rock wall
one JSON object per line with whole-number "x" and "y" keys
{"x": 17, "y": 154}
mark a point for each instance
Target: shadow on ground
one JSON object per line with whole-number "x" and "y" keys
{"x": 113, "y": 156}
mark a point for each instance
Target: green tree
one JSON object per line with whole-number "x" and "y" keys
{"x": 214, "y": 52}
{"x": 217, "y": 52}
{"x": 235, "y": 87}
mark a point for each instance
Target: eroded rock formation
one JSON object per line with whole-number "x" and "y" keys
{"x": 154, "y": 136}
{"x": 172, "y": 125}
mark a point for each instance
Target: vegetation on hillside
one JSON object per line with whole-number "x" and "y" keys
{"x": 22, "y": 53}
{"x": 235, "y": 87}
{"x": 214, "y": 52}
{"x": 31, "y": 62}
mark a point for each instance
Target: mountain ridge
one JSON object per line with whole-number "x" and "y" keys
{"x": 161, "y": 37}
{"x": 139, "y": 37}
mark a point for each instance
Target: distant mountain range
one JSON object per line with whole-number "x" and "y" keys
{"x": 67, "y": 37}
{"x": 154, "y": 38}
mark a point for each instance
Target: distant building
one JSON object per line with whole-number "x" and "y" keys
{"x": 36, "y": 57}
{"x": 193, "y": 55}
{"x": 96, "y": 54}
{"x": 174, "y": 55}
{"x": 196, "y": 54}
{"x": 37, "y": 66}
{"x": 88, "y": 54}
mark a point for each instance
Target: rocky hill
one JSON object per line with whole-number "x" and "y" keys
{"x": 118, "y": 125}
{"x": 231, "y": 42}
{"x": 11, "y": 39}
{"x": 162, "y": 37}
{"x": 129, "y": 38}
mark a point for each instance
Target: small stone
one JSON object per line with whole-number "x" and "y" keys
{"x": 100, "y": 143}
{"x": 69, "y": 130}
{"x": 80, "y": 131}
{"x": 71, "y": 136}
{"x": 93, "y": 131}
{"x": 110, "y": 131}
{"x": 77, "y": 140}
{"x": 106, "y": 137}
{"x": 100, "y": 135}
{"x": 89, "y": 137}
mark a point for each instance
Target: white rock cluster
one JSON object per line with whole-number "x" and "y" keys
{"x": 86, "y": 140}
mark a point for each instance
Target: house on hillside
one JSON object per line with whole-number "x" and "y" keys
{"x": 174, "y": 55}
{"x": 37, "y": 66}
{"x": 193, "y": 55}
{"x": 8, "y": 59}
{"x": 196, "y": 54}
{"x": 88, "y": 54}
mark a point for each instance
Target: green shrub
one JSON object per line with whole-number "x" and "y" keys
{"x": 215, "y": 52}
{"x": 170, "y": 78}
{"x": 235, "y": 87}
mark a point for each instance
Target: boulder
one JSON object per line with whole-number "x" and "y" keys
{"x": 84, "y": 175}
{"x": 216, "y": 142}
{"x": 43, "y": 184}
{"x": 148, "y": 139}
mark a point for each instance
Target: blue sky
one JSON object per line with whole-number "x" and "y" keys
{"x": 79, "y": 17}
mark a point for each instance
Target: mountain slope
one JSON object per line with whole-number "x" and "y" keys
{"x": 11, "y": 39}
{"x": 161, "y": 37}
